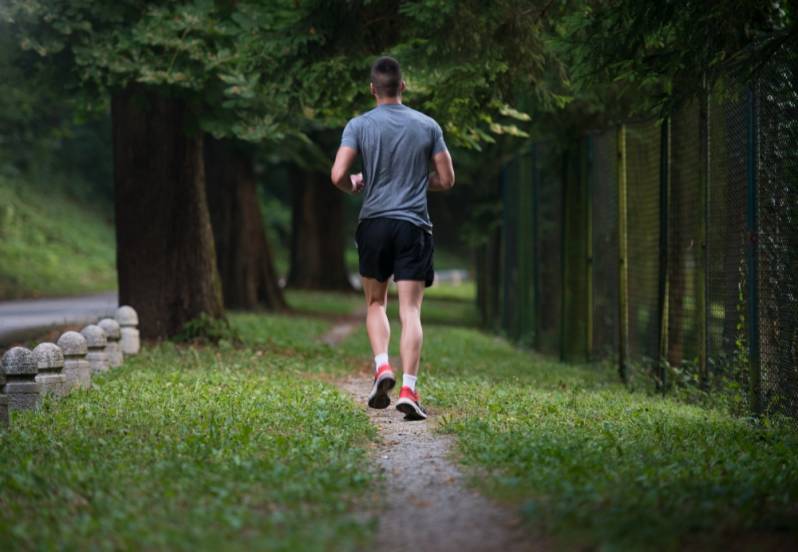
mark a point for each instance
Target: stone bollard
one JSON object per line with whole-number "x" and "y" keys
{"x": 76, "y": 368}
{"x": 112, "y": 347}
{"x": 128, "y": 322}
{"x": 50, "y": 365}
{"x": 20, "y": 371}
{"x": 96, "y": 341}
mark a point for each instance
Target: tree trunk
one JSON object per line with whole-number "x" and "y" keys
{"x": 243, "y": 254}
{"x": 165, "y": 253}
{"x": 317, "y": 237}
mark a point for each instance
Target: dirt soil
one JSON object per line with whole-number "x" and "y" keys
{"x": 426, "y": 505}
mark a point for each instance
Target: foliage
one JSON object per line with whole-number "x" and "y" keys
{"x": 651, "y": 55}
{"x": 192, "y": 449}
{"x": 51, "y": 244}
{"x": 280, "y": 70}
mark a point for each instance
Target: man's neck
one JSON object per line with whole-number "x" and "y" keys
{"x": 389, "y": 101}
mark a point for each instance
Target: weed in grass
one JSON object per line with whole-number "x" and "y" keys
{"x": 206, "y": 329}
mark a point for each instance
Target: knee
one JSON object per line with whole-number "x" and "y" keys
{"x": 410, "y": 316}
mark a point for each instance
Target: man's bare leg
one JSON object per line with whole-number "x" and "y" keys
{"x": 411, "y": 294}
{"x": 377, "y": 325}
{"x": 379, "y": 331}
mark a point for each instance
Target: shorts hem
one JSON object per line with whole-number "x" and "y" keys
{"x": 373, "y": 277}
{"x": 427, "y": 281}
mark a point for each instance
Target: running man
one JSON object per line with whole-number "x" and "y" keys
{"x": 397, "y": 146}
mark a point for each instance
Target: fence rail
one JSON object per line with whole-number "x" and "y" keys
{"x": 669, "y": 247}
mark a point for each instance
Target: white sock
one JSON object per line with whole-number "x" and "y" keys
{"x": 409, "y": 381}
{"x": 380, "y": 359}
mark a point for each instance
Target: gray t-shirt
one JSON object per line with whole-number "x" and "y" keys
{"x": 396, "y": 144}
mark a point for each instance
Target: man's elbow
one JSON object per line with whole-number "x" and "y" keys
{"x": 447, "y": 183}
{"x": 335, "y": 176}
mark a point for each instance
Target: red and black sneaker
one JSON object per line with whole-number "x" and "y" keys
{"x": 409, "y": 406}
{"x": 384, "y": 381}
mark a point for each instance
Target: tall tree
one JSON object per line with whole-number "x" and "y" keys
{"x": 317, "y": 239}
{"x": 243, "y": 253}
{"x": 170, "y": 69}
{"x": 165, "y": 253}
{"x": 285, "y": 69}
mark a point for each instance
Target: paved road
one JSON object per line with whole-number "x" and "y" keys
{"x": 20, "y": 320}
{"x": 25, "y": 318}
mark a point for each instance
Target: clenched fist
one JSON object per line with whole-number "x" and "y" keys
{"x": 357, "y": 182}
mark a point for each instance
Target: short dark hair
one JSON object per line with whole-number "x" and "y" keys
{"x": 386, "y": 76}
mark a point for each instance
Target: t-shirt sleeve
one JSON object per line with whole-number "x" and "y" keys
{"x": 351, "y": 136}
{"x": 438, "y": 145}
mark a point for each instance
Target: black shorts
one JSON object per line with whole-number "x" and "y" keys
{"x": 394, "y": 247}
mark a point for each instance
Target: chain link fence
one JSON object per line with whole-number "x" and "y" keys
{"x": 693, "y": 278}
{"x": 776, "y": 121}
{"x": 643, "y": 227}
{"x": 603, "y": 185}
{"x": 728, "y": 239}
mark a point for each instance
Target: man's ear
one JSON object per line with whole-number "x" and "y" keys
{"x": 372, "y": 89}
{"x": 402, "y": 86}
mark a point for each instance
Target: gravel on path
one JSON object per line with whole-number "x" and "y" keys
{"x": 426, "y": 505}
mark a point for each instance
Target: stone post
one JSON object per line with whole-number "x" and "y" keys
{"x": 20, "y": 371}
{"x": 112, "y": 347}
{"x": 128, "y": 322}
{"x": 76, "y": 368}
{"x": 96, "y": 341}
{"x": 50, "y": 364}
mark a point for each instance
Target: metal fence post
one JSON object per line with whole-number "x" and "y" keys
{"x": 752, "y": 206}
{"x": 504, "y": 264}
{"x": 623, "y": 265}
{"x": 702, "y": 272}
{"x": 524, "y": 250}
{"x": 664, "y": 287}
{"x": 536, "y": 178}
{"x": 587, "y": 175}
{"x": 563, "y": 253}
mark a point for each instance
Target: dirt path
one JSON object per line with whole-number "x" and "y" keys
{"x": 426, "y": 505}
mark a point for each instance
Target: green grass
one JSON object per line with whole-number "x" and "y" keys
{"x": 195, "y": 449}
{"x": 249, "y": 447}
{"x": 467, "y": 291}
{"x": 317, "y": 303}
{"x": 593, "y": 464}
{"x": 51, "y": 245}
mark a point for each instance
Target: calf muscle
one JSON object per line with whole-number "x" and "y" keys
{"x": 411, "y": 295}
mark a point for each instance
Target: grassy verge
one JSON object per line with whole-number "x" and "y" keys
{"x": 51, "y": 245}
{"x": 195, "y": 448}
{"x": 592, "y": 463}
{"x": 242, "y": 448}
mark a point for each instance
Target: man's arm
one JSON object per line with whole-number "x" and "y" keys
{"x": 443, "y": 178}
{"x": 340, "y": 171}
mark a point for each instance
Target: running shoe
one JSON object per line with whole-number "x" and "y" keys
{"x": 384, "y": 381}
{"x": 408, "y": 405}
